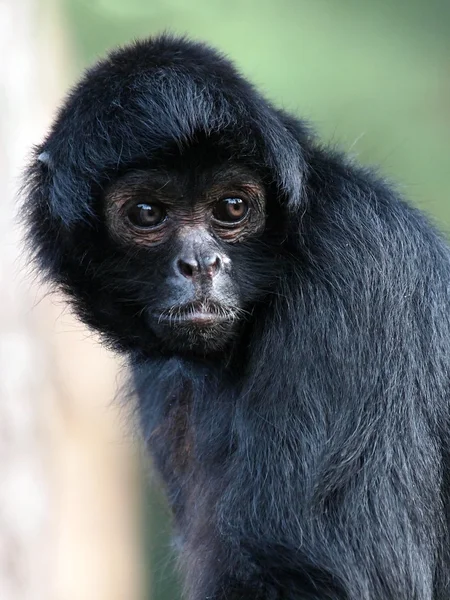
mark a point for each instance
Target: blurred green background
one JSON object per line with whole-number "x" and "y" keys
{"x": 373, "y": 77}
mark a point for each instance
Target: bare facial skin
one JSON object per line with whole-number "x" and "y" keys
{"x": 185, "y": 224}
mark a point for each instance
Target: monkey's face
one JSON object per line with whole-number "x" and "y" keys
{"x": 190, "y": 246}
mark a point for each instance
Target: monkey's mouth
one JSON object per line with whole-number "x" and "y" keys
{"x": 198, "y": 314}
{"x": 197, "y": 327}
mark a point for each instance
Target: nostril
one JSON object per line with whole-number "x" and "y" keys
{"x": 215, "y": 266}
{"x": 186, "y": 269}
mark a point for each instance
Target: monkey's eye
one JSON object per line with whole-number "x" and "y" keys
{"x": 146, "y": 215}
{"x": 230, "y": 210}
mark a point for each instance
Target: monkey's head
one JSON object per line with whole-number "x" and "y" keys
{"x": 158, "y": 201}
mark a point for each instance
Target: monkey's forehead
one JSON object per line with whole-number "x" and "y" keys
{"x": 155, "y": 93}
{"x": 159, "y": 94}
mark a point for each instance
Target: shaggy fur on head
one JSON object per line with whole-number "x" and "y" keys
{"x": 308, "y": 459}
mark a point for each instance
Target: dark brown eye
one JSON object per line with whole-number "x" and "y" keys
{"x": 230, "y": 210}
{"x": 146, "y": 215}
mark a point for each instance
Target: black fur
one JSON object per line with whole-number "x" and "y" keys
{"x": 308, "y": 460}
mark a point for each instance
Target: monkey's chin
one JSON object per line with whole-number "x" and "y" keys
{"x": 196, "y": 337}
{"x": 194, "y": 333}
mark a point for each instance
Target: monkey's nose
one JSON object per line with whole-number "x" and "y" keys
{"x": 192, "y": 268}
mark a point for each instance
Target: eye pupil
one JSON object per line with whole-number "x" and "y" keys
{"x": 230, "y": 210}
{"x": 146, "y": 215}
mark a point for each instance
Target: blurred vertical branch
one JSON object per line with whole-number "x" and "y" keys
{"x": 69, "y": 493}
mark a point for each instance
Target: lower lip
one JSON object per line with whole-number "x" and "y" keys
{"x": 195, "y": 318}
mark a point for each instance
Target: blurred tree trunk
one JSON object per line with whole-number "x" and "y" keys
{"x": 24, "y": 487}
{"x": 69, "y": 493}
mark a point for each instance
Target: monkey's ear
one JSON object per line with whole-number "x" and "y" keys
{"x": 49, "y": 220}
{"x": 54, "y": 187}
{"x": 44, "y": 158}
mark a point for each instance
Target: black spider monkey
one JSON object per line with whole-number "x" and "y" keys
{"x": 286, "y": 319}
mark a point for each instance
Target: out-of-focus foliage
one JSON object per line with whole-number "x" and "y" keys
{"x": 373, "y": 76}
